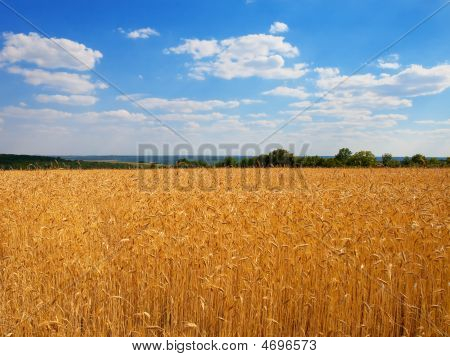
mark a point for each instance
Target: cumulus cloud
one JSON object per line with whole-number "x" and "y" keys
{"x": 415, "y": 80}
{"x": 278, "y": 27}
{"x": 183, "y": 105}
{"x": 120, "y": 115}
{"x": 390, "y": 117}
{"x": 198, "y": 49}
{"x": 142, "y": 33}
{"x": 297, "y": 114}
{"x": 82, "y": 100}
{"x": 365, "y": 99}
{"x": 362, "y": 99}
{"x": 195, "y": 117}
{"x": 391, "y": 62}
{"x": 433, "y": 122}
{"x": 46, "y": 114}
{"x": 388, "y": 65}
{"x": 355, "y": 108}
{"x": 48, "y": 53}
{"x": 298, "y": 92}
{"x": 230, "y": 125}
{"x": 301, "y": 104}
{"x": 12, "y": 112}
{"x": 266, "y": 123}
{"x": 257, "y": 55}
{"x": 257, "y": 115}
{"x": 251, "y": 101}
{"x": 73, "y": 83}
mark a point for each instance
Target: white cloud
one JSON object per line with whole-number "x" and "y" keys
{"x": 347, "y": 104}
{"x": 120, "y": 115}
{"x": 221, "y": 127}
{"x": 390, "y": 117}
{"x": 297, "y": 114}
{"x": 355, "y": 109}
{"x": 197, "y": 48}
{"x": 142, "y": 33}
{"x": 415, "y": 80}
{"x": 391, "y": 62}
{"x": 298, "y": 92}
{"x": 433, "y": 122}
{"x": 251, "y": 101}
{"x": 350, "y": 115}
{"x": 278, "y": 27}
{"x": 257, "y": 115}
{"x": 45, "y": 115}
{"x": 337, "y": 112}
{"x": 266, "y": 123}
{"x": 183, "y": 105}
{"x": 362, "y": 99}
{"x": 47, "y": 53}
{"x": 257, "y": 55}
{"x": 302, "y": 104}
{"x": 231, "y": 125}
{"x": 67, "y": 99}
{"x": 50, "y": 131}
{"x": 12, "y": 112}
{"x": 388, "y": 65}
{"x": 195, "y": 117}
{"x": 73, "y": 83}
{"x": 192, "y": 126}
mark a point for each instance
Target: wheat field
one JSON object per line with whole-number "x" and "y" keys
{"x": 195, "y": 252}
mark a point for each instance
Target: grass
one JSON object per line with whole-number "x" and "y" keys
{"x": 355, "y": 252}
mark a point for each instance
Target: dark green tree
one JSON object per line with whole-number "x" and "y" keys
{"x": 387, "y": 159}
{"x": 281, "y": 157}
{"x": 433, "y": 162}
{"x": 362, "y": 158}
{"x": 244, "y": 162}
{"x": 406, "y": 161}
{"x": 419, "y": 160}
{"x": 395, "y": 163}
{"x": 230, "y": 161}
{"x": 343, "y": 155}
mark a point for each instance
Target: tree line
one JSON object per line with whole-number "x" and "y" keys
{"x": 276, "y": 158}
{"x": 344, "y": 158}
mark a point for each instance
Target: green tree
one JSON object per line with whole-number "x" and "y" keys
{"x": 433, "y": 162}
{"x": 281, "y": 157}
{"x": 244, "y": 162}
{"x": 230, "y": 161}
{"x": 343, "y": 155}
{"x": 363, "y": 158}
{"x": 331, "y": 162}
{"x": 387, "y": 159}
{"x": 395, "y": 163}
{"x": 406, "y": 161}
{"x": 419, "y": 160}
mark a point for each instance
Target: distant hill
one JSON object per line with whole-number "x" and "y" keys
{"x": 30, "y": 162}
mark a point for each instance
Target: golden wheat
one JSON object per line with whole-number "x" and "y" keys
{"x": 111, "y": 253}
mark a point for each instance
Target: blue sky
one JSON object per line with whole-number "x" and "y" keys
{"x": 224, "y": 72}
